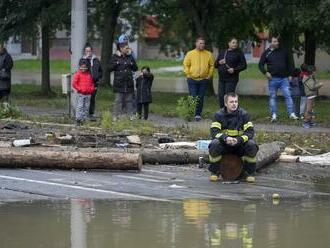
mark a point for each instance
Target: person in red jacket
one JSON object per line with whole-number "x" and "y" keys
{"x": 84, "y": 85}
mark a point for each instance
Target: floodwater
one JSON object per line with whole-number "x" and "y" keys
{"x": 184, "y": 224}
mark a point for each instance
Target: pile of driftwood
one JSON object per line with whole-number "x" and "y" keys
{"x": 90, "y": 149}
{"x": 290, "y": 156}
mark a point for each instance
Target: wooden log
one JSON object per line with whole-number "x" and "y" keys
{"x": 268, "y": 153}
{"x": 175, "y": 156}
{"x": 231, "y": 166}
{"x": 128, "y": 159}
{"x": 285, "y": 158}
{"x": 178, "y": 145}
{"x": 46, "y": 158}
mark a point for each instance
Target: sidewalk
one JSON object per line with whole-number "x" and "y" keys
{"x": 161, "y": 121}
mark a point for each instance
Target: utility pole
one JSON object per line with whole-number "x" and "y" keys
{"x": 78, "y": 39}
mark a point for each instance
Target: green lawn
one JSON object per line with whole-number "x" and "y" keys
{"x": 63, "y": 66}
{"x": 165, "y": 104}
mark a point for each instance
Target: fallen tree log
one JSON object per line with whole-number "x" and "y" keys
{"x": 268, "y": 153}
{"x": 322, "y": 159}
{"x": 116, "y": 159}
{"x": 37, "y": 157}
{"x": 172, "y": 156}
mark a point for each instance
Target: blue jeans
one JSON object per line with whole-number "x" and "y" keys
{"x": 279, "y": 83}
{"x": 198, "y": 88}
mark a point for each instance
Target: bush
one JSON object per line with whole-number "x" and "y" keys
{"x": 186, "y": 107}
{"x": 9, "y": 111}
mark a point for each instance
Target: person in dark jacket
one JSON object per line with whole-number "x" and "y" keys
{"x": 278, "y": 70}
{"x": 143, "y": 91}
{"x": 6, "y": 64}
{"x": 232, "y": 133}
{"x": 96, "y": 71}
{"x": 123, "y": 64}
{"x": 230, "y": 63}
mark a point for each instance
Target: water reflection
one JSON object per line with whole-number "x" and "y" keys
{"x": 191, "y": 223}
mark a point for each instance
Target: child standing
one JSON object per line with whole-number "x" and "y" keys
{"x": 311, "y": 90}
{"x": 84, "y": 85}
{"x": 143, "y": 90}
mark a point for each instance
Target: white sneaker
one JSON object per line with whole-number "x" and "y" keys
{"x": 198, "y": 118}
{"x": 293, "y": 116}
{"x": 273, "y": 118}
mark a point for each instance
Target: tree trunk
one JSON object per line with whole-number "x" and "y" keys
{"x": 199, "y": 14}
{"x": 310, "y": 48}
{"x": 45, "y": 158}
{"x": 287, "y": 42}
{"x": 267, "y": 154}
{"x": 45, "y": 72}
{"x": 111, "y": 14}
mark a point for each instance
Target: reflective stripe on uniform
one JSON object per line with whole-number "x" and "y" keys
{"x": 218, "y": 135}
{"x": 216, "y": 125}
{"x": 247, "y": 125}
{"x": 245, "y": 138}
{"x": 214, "y": 159}
{"x": 232, "y": 132}
{"x": 249, "y": 159}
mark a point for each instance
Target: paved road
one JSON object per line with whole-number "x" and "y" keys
{"x": 156, "y": 183}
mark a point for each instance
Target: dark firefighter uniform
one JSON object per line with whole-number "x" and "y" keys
{"x": 238, "y": 125}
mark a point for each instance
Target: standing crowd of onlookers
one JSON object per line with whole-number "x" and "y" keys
{"x": 298, "y": 86}
{"x": 128, "y": 101}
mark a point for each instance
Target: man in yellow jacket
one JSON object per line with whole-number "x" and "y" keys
{"x": 198, "y": 66}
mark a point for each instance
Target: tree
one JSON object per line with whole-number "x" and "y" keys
{"x": 21, "y": 15}
{"x": 106, "y": 16}
{"x": 182, "y": 21}
{"x": 302, "y": 24}
{"x": 312, "y": 18}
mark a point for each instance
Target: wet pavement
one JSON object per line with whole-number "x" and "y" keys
{"x": 162, "y": 183}
{"x": 164, "y": 206}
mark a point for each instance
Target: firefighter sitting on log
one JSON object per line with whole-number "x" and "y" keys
{"x": 232, "y": 133}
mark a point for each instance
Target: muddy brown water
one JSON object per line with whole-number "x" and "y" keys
{"x": 190, "y": 223}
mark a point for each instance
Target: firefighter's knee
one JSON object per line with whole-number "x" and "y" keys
{"x": 251, "y": 149}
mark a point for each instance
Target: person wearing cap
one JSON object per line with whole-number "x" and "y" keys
{"x": 123, "y": 39}
{"x": 123, "y": 65}
{"x": 83, "y": 83}
{"x": 198, "y": 66}
{"x": 6, "y": 64}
